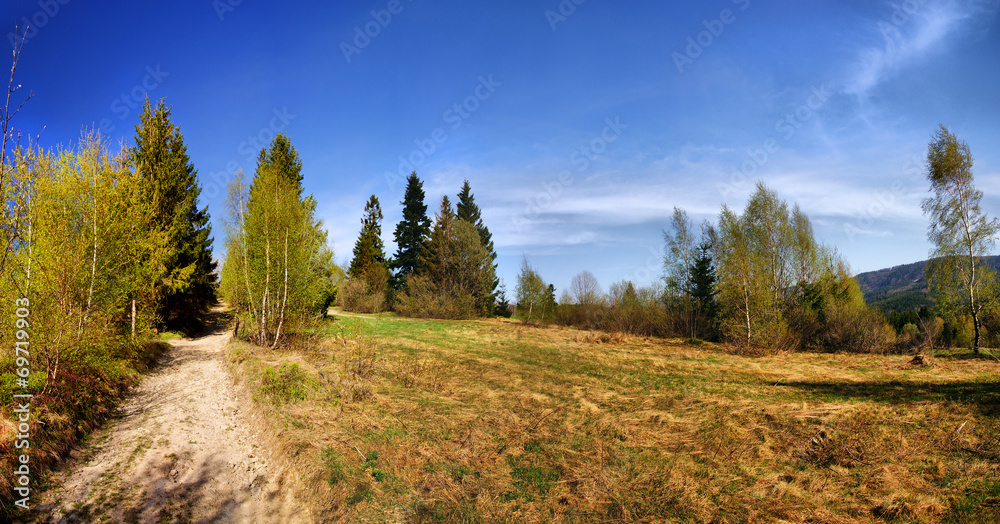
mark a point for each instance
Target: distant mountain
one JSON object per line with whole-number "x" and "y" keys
{"x": 903, "y": 287}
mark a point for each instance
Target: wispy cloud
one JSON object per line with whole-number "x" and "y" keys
{"x": 911, "y": 31}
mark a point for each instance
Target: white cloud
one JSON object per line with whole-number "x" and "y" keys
{"x": 907, "y": 34}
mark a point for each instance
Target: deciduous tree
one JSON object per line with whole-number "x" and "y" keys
{"x": 531, "y": 292}
{"x": 278, "y": 266}
{"x": 961, "y": 232}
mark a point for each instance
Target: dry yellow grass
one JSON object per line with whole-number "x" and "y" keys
{"x": 489, "y": 421}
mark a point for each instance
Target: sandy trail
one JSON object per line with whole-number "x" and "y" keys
{"x": 183, "y": 452}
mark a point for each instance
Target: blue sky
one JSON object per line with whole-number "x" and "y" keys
{"x": 580, "y": 124}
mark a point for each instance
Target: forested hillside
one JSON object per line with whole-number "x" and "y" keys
{"x": 902, "y": 288}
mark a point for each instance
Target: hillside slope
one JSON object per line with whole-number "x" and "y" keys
{"x": 902, "y": 287}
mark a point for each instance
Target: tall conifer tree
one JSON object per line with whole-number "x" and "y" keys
{"x": 369, "y": 252}
{"x": 412, "y": 231}
{"x": 185, "y": 282}
{"x": 467, "y": 210}
{"x": 436, "y": 252}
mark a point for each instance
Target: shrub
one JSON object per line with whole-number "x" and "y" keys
{"x": 423, "y": 298}
{"x": 356, "y": 295}
{"x": 856, "y": 329}
{"x": 285, "y": 384}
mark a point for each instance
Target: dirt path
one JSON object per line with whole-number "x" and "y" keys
{"x": 183, "y": 452}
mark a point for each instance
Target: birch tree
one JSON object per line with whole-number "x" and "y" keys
{"x": 961, "y": 232}
{"x": 278, "y": 264}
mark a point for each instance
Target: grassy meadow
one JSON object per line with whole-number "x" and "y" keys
{"x": 401, "y": 420}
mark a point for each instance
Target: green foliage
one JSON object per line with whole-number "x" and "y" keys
{"x": 369, "y": 252}
{"x": 411, "y": 232}
{"x": 285, "y": 384}
{"x": 278, "y": 266}
{"x": 458, "y": 276}
{"x": 690, "y": 274}
{"x": 961, "y": 232}
{"x": 703, "y": 289}
{"x": 778, "y": 289}
{"x": 369, "y": 269}
{"x": 83, "y": 254}
{"x": 532, "y": 293}
{"x": 184, "y": 280}
{"x": 333, "y": 466}
{"x": 680, "y": 254}
{"x": 87, "y": 247}
{"x": 747, "y": 274}
{"x": 502, "y": 307}
{"x": 467, "y": 210}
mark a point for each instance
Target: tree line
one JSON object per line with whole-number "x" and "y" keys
{"x": 109, "y": 248}
{"x": 445, "y": 268}
{"x": 100, "y": 252}
{"x": 757, "y": 279}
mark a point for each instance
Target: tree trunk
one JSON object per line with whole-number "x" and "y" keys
{"x": 267, "y": 285}
{"x": 93, "y": 263}
{"x": 284, "y": 298}
{"x": 246, "y": 273}
{"x": 746, "y": 302}
{"x": 972, "y": 296}
{"x": 975, "y": 325}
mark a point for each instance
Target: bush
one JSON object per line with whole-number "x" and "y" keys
{"x": 285, "y": 384}
{"x": 423, "y": 298}
{"x": 627, "y": 310}
{"x": 358, "y": 296}
{"x": 856, "y": 329}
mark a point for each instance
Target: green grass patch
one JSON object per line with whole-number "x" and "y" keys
{"x": 284, "y": 384}
{"x": 333, "y": 466}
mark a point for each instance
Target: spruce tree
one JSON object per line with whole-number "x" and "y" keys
{"x": 283, "y": 158}
{"x": 411, "y": 232}
{"x": 185, "y": 283}
{"x": 369, "y": 252}
{"x": 550, "y": 301}
{"x": 467, "y": 210}
{"x": 435, "y": 253}
{"x": 702, "y": 278}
